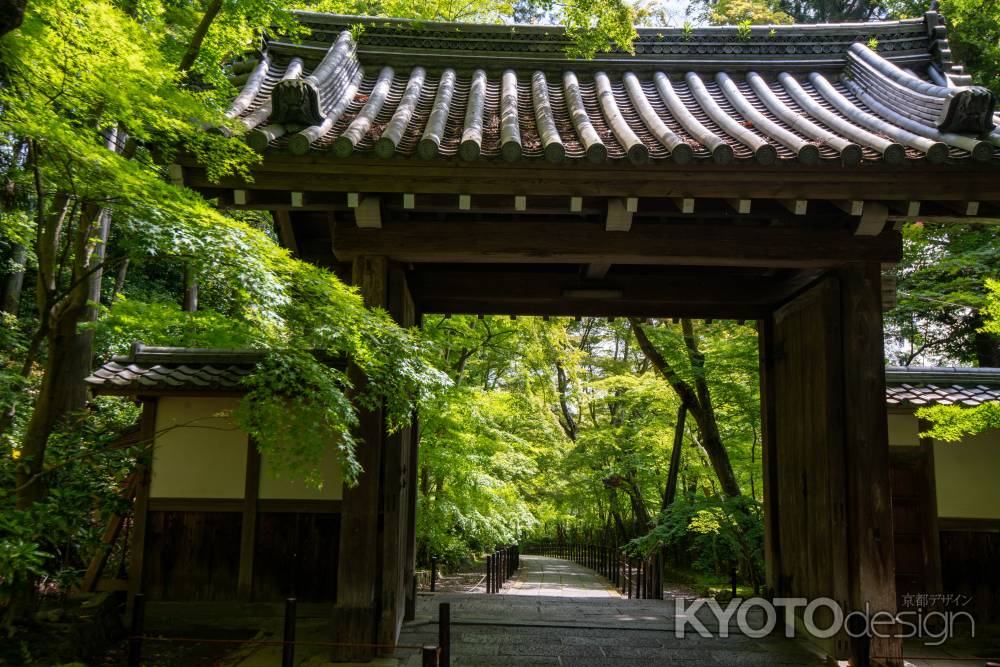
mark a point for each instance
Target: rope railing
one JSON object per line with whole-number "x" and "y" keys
{"x": 633, "y": 576}
{"x": 431, "y": 656}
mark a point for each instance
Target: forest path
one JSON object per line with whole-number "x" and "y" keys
{"x": 555, "y": 577}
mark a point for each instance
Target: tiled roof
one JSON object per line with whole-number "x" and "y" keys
{"x": 816, "y": 94}
{"x": 920, "y": 386}
{"x": 172, "y": 369}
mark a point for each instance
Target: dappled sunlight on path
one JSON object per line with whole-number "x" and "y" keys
{"x": 540, "y": 575}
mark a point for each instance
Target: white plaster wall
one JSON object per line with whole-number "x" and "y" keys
{"x": 204, "y": 456}
{"x": 281, "y": 487}
{"x": 968, "y": 477}
{"x": 903, "y": 430}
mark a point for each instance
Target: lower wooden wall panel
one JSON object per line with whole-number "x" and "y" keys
{"x": 296, "y": 555}
{"x": 969, "y": 561}
{"x": 192, "y": 555}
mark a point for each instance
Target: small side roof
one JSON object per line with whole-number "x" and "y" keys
{"x": 919, "y": 386}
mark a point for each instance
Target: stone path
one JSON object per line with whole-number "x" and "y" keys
{"x": 559, "y": 613}
{"x": 558, "y": 578}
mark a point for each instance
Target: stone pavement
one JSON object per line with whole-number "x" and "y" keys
{"x": 558, "y": 578}
{"x": 556, "y": 612}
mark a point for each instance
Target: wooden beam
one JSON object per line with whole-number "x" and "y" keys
{"x": 586, "y": 242}
{"x": 298, "y": 199}
{"x": 468, "y": 291}
{"x": 970, "y": 208}
{"x": 853, "y": 207}
{"x": 908, "y": 209}
{"x": 175, "y": 173}
{"x": 464, "y": 202}
{"x": 520, "y": 203}
{"x": 741, "y": 206}
{"x": 949, "y": 220}
{"x": 619, "y": 219}
{"x": 795, "y": 206}
{"x": 240, "y": 197}
{"x": 321, "y": 172}
{"x": 575, "y": 204}
{"x": 632, "y": 204}
{"x": 368, "y": 214}
{"x": 409, "y": 201}
{"x": 353, "y": 199}
{"x": 684, "y": 204}
{"x": 286, "y": 233}
{"x": 597, "y": 270}
{"x": 873, "y": 219}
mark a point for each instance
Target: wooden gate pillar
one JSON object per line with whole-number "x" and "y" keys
{"x": 359, "y": 566}
{"x": 828, "y": 514}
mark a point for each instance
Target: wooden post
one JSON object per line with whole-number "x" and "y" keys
{"x": 359, "y": 570}
{"x": 826, "y": 480}
{"x": 248, "y": 528}
{"x": 395, "y": 493}
{"x": 444, "y": 633}
{"x": 869, "y": 494}
{"x": 410, "y": 561}
{"x": 288, "y": 636}
{"x": 137, "y": 549}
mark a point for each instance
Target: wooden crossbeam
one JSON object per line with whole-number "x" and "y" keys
{"x": 587, "y": 242}
{"x": 368, "y": 214}
{"x": 597, "y": 270}
{"x": 619, "y": 218}
{"x": 175, "y": 173}
{"x": 561, "y": 294}
{"x": 853, "y": 207}
{"x": 873, "y": 219}
{"x": 795, "y": 206}
{"x": 741, "y": 206}
{"x": 684, "y": 204}
{"x": 286, "y": 233}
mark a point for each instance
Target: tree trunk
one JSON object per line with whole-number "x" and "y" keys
{"x": 698, "y": 401}
{"x": 569, "y": 425}
{"x": 119, "y": 281}
{"x": 82, "y": 357}
{"x": 11, "y": 15}
{"x": 10, "y": 296}
{"x": 194, "y": 47}
{"x": 190, "y": 290}
{"x": 675, "y": 459}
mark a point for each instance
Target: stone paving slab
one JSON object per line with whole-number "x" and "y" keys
{"x": 556, "y": 612}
